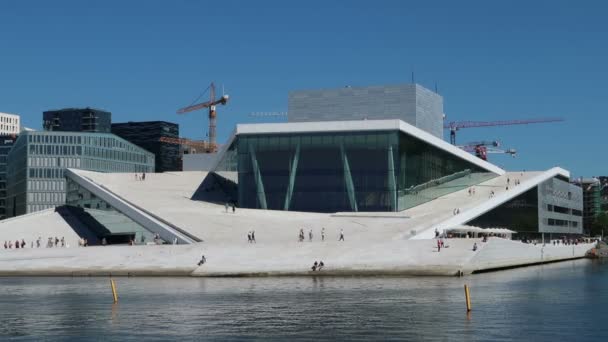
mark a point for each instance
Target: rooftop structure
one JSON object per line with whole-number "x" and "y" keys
{"x": 38, "y": 160}
{"x": 411, "y": 103}
{"x": 77, "y": 120}
{"x": 147, "y": 135}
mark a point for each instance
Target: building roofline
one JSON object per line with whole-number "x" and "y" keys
{"x": 76, "y": 109}
{"x": 413, "y": 85}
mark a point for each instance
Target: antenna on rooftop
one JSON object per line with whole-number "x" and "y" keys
{"x": 436, "y": 88}
{"x": 413, "y": 79}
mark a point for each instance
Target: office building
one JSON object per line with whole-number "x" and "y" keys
{"x": 147, "y": 135}
{"x": 77, "y": 120}
{"x": 38, "y": 160}
{"x": 9, "y": 124}
{"x": 6, "y": 143}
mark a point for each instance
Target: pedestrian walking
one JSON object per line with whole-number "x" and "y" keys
{"x": 341, "y": 235}
{"x": 143, "y": 176}
{"x": 321, "y": 264}
{"x": 438, "y": 246}
{"x": 323, "y": 234}
{"x": 233, "y": 208}
{"x": 253, "y": 236}
{"x": 310, "y": 236}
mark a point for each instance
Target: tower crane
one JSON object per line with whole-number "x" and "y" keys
{"x": 482, "y": 148}
{"x": 212, "y": 114}
{"x": 455, "y": 126}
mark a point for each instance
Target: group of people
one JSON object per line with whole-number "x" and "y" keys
{"x": 18, "y": 244}
{"x": 317, "y": 266}
{"x": 140, "y": 177}
{"x": 515, "y": 182}
{"x": 251, "y": 236}
{"x": 301, "y": 236}
{"x": 51, "y": 242}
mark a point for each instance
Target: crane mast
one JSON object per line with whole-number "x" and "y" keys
{"x": 211, "y": 105}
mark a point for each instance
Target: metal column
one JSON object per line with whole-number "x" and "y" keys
{"x": 292, "y": 177}
{"x": 350, "y": 187}
{"x": 259, "y": 185}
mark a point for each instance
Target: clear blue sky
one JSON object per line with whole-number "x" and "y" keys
{"x": 492, "y": 60}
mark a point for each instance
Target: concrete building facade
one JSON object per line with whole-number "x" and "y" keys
{"x": 411, "y": 103}
{"x": 38, "y": 160}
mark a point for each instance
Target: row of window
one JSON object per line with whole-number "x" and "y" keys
{"x": 9, "y": 129}
{"x": 46, "y": 173}
{"x": 9, "y": 119}
{"x": 563, "y": 210}
{"x": 46, "y": 197}
{"x": 562, "y": 223}
{"x": 46, "y": 185}
{"x": 55, "y": 139}
{"x": 64, "y": 162}
{"x": 38, "y": 207}
{"x": 64, "y": 150}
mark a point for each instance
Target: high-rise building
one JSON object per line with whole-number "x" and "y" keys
{"x": 411, "y": 103}
{"x": 77, "y": 120}
{"x": 38, "y": 160}
{"x": 147, "y": 135}
{"x": 9, "y": 124}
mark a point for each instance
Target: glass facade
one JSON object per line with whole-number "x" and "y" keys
{"x": 6, "y": 143}
{"x": 77, "y": 120}
{"x": 553, "y": 207}
{"x": 37, "y": 161}
{"x": 102, "y": 219}
{"x": 147, "y": 136}
{"x": 345, "y": 171}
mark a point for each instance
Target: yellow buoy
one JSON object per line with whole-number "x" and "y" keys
{"x": 114, "y": 294}
{"x": 467, "y": 296}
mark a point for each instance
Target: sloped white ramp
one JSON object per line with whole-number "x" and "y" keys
{"x": 148, "y": 220}
{"x": 468, "y": 214}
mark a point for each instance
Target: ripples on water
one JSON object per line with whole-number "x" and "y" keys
{"x": 565, "y": 301}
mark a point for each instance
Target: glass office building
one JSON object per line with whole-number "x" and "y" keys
{"x": 147, "y": 135}
{"x": 77, "y": 120}
{"x": 37, "y": 161}
{"x": 384, "y": 170}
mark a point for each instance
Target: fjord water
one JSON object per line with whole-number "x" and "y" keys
{"x": 565, "y": 301}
